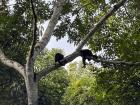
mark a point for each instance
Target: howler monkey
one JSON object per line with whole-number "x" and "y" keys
{"x": 58, "y": 58}
{"x": 87, "y": 54}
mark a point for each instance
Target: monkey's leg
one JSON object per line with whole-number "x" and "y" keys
{"x": 84, "y": 62}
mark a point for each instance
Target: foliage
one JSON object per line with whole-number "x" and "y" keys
{"x": 51, "y": 87}
{"x": 119, "y": 36}
{"x": 102, "y": 86}
{"x": 117, "y": 39}
{"x": 80, "y": 92}
{"x": 83, "y": 88}
{"x": 16, "y": 27}
{"x": 11, "y": 88}
{"x": 78, "y": 19}
{"x": 121, "y": 87}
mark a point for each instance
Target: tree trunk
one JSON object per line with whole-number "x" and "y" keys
{"x": 32, "y": 90}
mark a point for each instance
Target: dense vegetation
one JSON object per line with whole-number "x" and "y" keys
{"x": 118, "y": 38}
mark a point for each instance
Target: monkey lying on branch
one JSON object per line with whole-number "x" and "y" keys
{"x": 87, "y": 54}
{"x": 59, "y": 58}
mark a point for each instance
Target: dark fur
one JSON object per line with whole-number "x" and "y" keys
{"x": 58, "y": 58}
{"x": 87, "y": 54}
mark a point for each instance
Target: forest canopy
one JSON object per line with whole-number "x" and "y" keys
{"x": 29, "y": 73}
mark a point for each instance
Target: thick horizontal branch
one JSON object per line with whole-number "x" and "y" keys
{"x": 55, "y": 66}
{"x": 13, "y": 64}
{"x": 72, "y": 56}
{"x": 52, "y": 23}
{"x": 103, "y": 19}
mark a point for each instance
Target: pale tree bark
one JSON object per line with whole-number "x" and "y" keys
{"x": 50, "y": 28}
{"x": 13, "y": 64}
{"x": 32, "y": 89}
{"x": 31, "y": 79}
{"x": 31, "y": 83}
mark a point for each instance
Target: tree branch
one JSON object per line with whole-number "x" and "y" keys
{"x": 72, "y": 56}
{"x": 34, "y": 29}
{"x": 55, "y": 66}
{"x": 13, "y": 64}
{"x": 120, "y": 62}
{"x": 30, "y": 58}
{"x": 103, "y": 19}
{"x": 52, "y": 23}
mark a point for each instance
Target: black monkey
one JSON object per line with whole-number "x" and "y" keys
{"x": 58, "y": 58}
{"x": 87, "y": 54}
